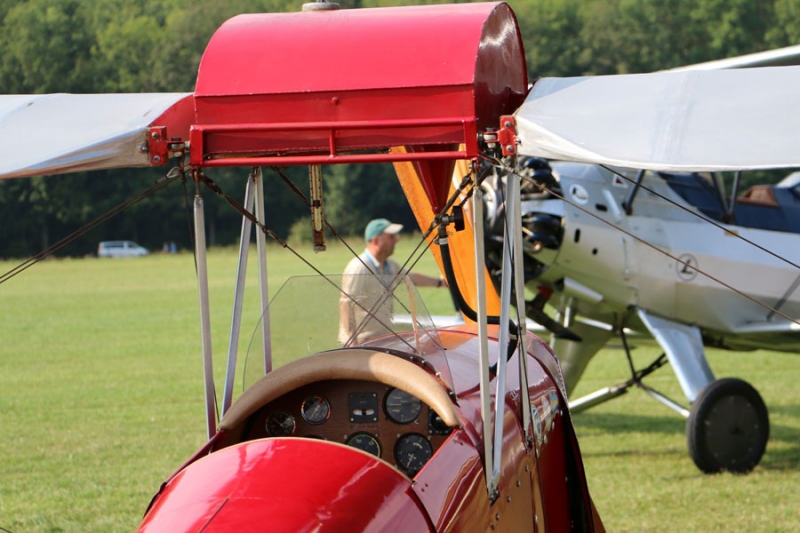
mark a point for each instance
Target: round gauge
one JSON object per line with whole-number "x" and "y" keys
{"x": 365, "y": 442}
{"x": 280, "y": 424}
{"x": 401, "y": 407}
{"x": 436, "y": 425}
{"x": 315, "y": 409}
{"x": 412, "y": 451}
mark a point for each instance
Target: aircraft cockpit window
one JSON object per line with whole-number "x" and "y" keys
{"x": 305, "y": 318}
{"x": 792, "y": 181}
{"x": 697, "y": 189}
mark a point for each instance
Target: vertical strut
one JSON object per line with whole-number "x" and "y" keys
{"x": 503, "y": 341}
{"x": 261, "y": 246}
{"x": 205, "y": 315}
{"x": 238, "y": 297}
{"x": 514, "y": 211}
{"x": 483, "y": 343}
{"x": 317, "y": 221}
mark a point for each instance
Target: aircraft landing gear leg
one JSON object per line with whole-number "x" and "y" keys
{"x": 728, "y": 427}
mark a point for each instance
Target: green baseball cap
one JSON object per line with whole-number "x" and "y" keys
{"x": 380, "y": 225}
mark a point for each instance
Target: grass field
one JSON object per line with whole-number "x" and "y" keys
{"x": 101, "y": 398}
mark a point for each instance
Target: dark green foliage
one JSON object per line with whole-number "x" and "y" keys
{"x": 156, "y": 45}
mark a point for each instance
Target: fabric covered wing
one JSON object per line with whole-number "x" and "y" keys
{"x": 58, "y": 133}
{"x": 672, "y": 121}
{"x": 780, "y": 57}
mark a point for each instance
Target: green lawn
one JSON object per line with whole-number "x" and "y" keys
{"x": 102, "y": 397}
{"x": 637, "y": 463}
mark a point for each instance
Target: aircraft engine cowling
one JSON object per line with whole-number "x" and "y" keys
{"x": 541, "y": 231}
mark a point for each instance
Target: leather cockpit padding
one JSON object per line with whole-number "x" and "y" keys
{"x": 339, "y": 365}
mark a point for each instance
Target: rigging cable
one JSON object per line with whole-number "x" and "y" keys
{"x": 213, "y": 187}
{"x": 333, "y": 231}
{"x": 159, "y": 184}
{"x": 407, "y": 265}
{"x": 701, "y": 217}
{"x": 498, "y": 164}
{"x": 452, "y": 281}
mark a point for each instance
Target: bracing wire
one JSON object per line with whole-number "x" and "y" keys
{"x": 411, "y": 261}
{"x": 705, "y": 219}
{"x": 212, "y": 186}
{"x": 159, "y": 184}
{"x": 498, "y": 164}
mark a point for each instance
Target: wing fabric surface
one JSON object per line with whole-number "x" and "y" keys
{"x": 58, "y": 133}
{"x": 781, "y": 57}
{"x": 671, "y": 121}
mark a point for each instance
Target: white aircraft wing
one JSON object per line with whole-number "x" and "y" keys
{"x": 780, "y": 57}
{"x": 672, "y": 121}
{"x": 57, "y": 133}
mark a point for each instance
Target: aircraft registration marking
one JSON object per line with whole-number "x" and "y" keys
{"x": 686, "y": 268}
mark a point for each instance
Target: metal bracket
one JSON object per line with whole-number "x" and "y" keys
{"x": 160, "y": 148}
{"x": 157, "y": 145}
{"x": 507, "y": 135}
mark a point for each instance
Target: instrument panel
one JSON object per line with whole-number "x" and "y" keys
{"x": 384, "y": 421}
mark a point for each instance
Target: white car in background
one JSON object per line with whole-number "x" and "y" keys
{"x": 120, "y": 249}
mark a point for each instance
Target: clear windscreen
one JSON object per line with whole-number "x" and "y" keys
{"x": 311, "y": 314}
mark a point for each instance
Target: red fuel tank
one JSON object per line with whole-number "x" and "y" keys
{"x": 315, "y": 87}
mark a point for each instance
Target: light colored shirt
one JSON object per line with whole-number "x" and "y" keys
{"x": 364, "y": 282}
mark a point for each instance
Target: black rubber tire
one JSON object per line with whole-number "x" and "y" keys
{"x": 728, "y": 427}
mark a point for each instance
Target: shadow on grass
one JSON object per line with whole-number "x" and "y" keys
{"x": 786, "y": 457}
{"x": 656, "y": 454}
{"x": 626, "y": 423}
{"x": 785, "y": 410}
{"x": 782, "y": 458}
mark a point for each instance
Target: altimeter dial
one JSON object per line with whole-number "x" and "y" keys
{"x": 315, "y": 410}
{"x": 401, "y": 407}
{"x": 412, "y": 451}
{"x": 280, "y": 424}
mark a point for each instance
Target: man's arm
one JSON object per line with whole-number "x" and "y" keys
{"x": 345, "y": 319}
{"x": 421, "y": 280}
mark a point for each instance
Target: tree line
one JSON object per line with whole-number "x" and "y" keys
{"x": 99, "y": 46}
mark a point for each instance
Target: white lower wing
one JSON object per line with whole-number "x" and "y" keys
{"x": 672, "y": 121}
{"x": 57, "y": 133}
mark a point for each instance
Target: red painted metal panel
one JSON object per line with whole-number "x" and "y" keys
{"x": 553, "y": 477}
{"x": 294, "y": 484}
{"x": 309, "y": 87}
{"x": 452, "y": 485}
{"x": 287, "y": 485}
{"x": 348, "y": 49}
{"x": 166, "y": 133}
{"x": 520, "y": 495}
{"x": 177, "y": 119}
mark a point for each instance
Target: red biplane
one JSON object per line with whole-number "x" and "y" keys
{"x": 423, "y": 429}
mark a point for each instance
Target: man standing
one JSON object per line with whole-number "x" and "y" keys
{"x": 365, "y": 280}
